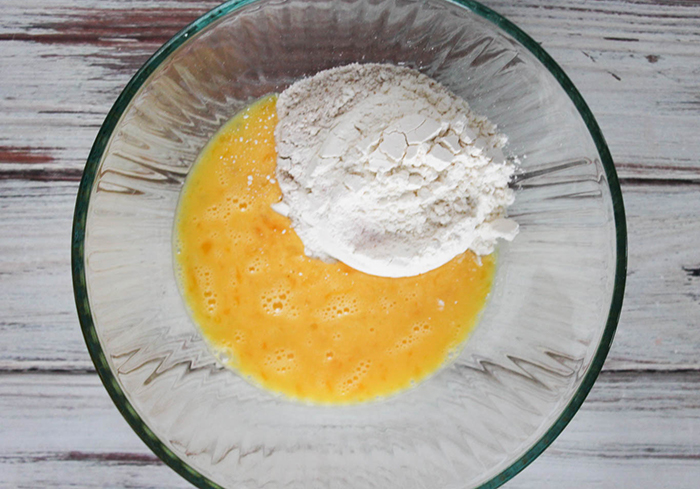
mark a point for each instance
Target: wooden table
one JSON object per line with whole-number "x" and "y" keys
{"x": 637, "y": 63}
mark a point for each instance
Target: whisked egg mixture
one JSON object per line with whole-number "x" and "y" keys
{"x": 313, "y": 331}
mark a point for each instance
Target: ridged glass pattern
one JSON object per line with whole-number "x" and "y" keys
{"x": 523, "y": 372}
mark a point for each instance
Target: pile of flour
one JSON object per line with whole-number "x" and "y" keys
{"x": 386, "y": 170}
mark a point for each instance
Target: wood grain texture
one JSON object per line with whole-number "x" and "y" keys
{"x": 658, "y": 328}
{"x": 653, "y": 445}
{"x": 64, "y": 63}
{"x": 636, "y": 62}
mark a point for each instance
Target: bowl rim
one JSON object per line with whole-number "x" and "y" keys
{"x": 105, "y": 133}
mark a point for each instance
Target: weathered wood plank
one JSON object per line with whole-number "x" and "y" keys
{"x": 661, "y": 312}
{"x": 64, "y": 63}
{"x": 627, "y": 434}
{"x": 636, "y": 64}
{"x": 38, "y": 324}
{"x": 88, "y": 472}
{"x": 63, "y": 431}
{"x": 39, "y": 327}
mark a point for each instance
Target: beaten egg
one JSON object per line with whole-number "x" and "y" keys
{"x": 313, "y": 331}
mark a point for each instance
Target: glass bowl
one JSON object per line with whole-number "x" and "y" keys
{"x": 523, "y": 372}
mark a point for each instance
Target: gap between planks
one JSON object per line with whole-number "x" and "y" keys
{"x": 75, "y": 175}
{"x": 611, "y": 372}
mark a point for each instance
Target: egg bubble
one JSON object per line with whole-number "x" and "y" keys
{"x": 338, "y": 307}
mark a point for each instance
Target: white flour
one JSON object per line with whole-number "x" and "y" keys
{"x": 387, "y": 171}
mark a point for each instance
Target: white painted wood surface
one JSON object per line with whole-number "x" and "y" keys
{"x": 637, "y": 63}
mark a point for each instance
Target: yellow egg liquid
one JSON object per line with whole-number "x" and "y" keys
{"x": 313, "y": 331}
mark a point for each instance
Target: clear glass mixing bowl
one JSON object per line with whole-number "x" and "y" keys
{"x": 524, "y": 371}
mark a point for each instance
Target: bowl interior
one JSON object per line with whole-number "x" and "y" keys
{"x": 523, "y": 372}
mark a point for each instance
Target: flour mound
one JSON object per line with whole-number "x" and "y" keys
{"x": 386, "y": 170}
